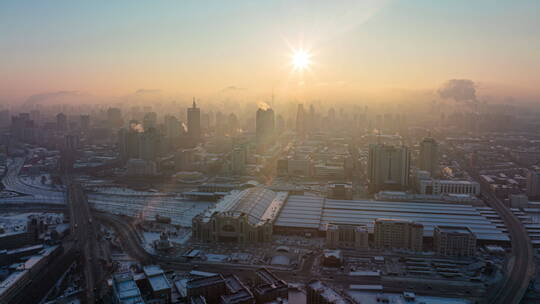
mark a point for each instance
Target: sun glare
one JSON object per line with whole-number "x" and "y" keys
{"x": 301, "y": 59}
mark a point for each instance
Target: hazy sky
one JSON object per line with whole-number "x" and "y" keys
{"x": 360, "y": 49}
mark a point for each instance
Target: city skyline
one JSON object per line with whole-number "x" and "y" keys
{"x": 270, "y": 152}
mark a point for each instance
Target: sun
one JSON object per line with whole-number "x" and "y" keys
{"x": 301, "y": 60}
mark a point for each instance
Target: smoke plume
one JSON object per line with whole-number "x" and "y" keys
{"x": 137, "y": 127}
{"x": 263, "y": 105}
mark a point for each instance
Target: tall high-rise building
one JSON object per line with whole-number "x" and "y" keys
{"x": 71, "y": 142}
{"x": 173, "y": 127}
{"x": 4, "y": 118}
{"x": 533, "y": 184}
{"x": 61, "y": 122}
{"x": 429, "y": 156}
{"x": 398, "y": 234}
{"x": 300, "y": 121}
{"x": 280, "y": 124}
{"x": 150, "y": 144}
{"x": 264, "y": 125}
{"x": 35, "y": 116}
{"x": 150, "y": 120}
{"x": 232, "y": 122}
{"x": 84, "y": 122}
{"x": 134, "y": 143}
{"x": 114, "y": 118}
{"x": 23, "y": 128}
{"x": 312, "y": 122}
{"x": 184, "y": 160}
{"x": 194, "y": 122}
{"x": 238, "y": 160}
{"x": 388, "y": 167}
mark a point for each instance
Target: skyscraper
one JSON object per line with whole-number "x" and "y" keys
{"x": 238, "y": 160}
{"x": 150, "y": 120}
{"x": 300, "y": 121}
{"x": 312, "y": 122}
{"x": 173, "y": 127}
{"x": 388, "y": 167}
{"x": 61, "y": 122}
{"x": 533, "y": 184}
{"x": 264, "y": 125}
{"x": 429, "y": 156}
{"x": 4, "y": 118}
{"x": 150, "y": 144}
{"x": 84, "y": 122}
{"x": 114, "y": 118}
{"x": 232, "y": 122}
{"x": 35, "y": 116}
{"x": 194, "y": 123}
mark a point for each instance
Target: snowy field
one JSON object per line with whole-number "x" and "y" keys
{"x": 218, "y": 258}
{"x": 372, "y": 298}
{"x": 182, "y": 237}
{"x": 14, "y": 222}
{"x": 179, "y": 210}
{"x": 127, "y": 191}
{"x": 30, "y": 186}
{"x": 35, "y": 181}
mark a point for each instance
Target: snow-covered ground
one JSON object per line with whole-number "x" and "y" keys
{"x": 179, "y": 210}
{"x": 182, "y": 237}
{"x": 219, "y": 258}
{"x": 12, "y": 181}
{"x": 35, "y": 182}
{"x": 372, "y": 298}
{"x": 127, "y": 191}
{"x": 13, "y": 222}
{"x": 125, "y": 262}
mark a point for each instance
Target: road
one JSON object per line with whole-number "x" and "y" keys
{"x": 13, "y": 182}
{"x": 85, "y": 238}
{"x": 132, "y": 245}
{"x": 520, "y": 275}
{"x": 523, "y": 269}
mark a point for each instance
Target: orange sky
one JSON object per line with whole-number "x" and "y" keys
{"x": 380, "y": 50}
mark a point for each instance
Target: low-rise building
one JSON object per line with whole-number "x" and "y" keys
{"x": 141, "y": 167}
{"x": 319, "y": 293}
{"x": 237, "y": 292}
{"x": 341, "y": 191}
{"x": 347, "y": 236}
{"x": 220, "y": 289}
{"x": 454, "y": 241}
{"x": 398, "y": 234}
{"x": 243, "y": 217}
{"x": 158, "y": 283}
{"x": 211, "y": 288}
{"x": 438, "y": 187}
{"x": 268, "y": 287}
{"x": 329, "y": 171}
{"x": 125, "y": 290}
{"x": 15, "y": 284}
{"x": 332, "y": 258}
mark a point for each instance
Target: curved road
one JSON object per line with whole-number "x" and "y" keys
{"x": 12, "y": 182}
{"x": 523, "y": 268}
{"x": 522, "y": 263}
